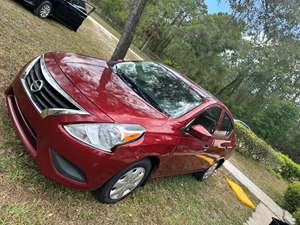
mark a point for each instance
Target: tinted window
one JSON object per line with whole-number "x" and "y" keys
{"x": 209, "y": 119}
{"x": 168, "y": 93}
{"x": 78, "y": 3}
{"x": 82, "y": 5}
{"x": 226, "y": 126}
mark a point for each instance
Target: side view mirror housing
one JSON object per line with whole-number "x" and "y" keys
{"x": 199, "y": 131}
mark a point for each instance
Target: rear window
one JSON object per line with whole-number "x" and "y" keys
{"x": 171, "y": 94}
{"x": 226, "y": 126}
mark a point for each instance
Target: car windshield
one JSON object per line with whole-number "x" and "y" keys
{"x": 159, "y": 86}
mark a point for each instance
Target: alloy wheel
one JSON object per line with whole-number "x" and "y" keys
{"x": 45, "y": 10}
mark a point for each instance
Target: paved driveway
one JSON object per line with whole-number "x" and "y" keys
{"x": 267, "y": 208}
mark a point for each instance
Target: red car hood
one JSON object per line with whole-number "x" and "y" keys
{"x": 106, "y": 90}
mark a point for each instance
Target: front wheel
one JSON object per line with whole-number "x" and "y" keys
{"x": 124, "y": 183}
{"x": 43, "y": 10}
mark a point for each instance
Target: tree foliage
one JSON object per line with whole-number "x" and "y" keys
{"x": 271, "y": 19}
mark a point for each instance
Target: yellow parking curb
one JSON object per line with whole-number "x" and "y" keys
{"x": 208, "y": 159}
{"x": 240, "y": 193}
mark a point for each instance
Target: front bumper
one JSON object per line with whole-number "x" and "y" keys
{"x": 59, "y": 156}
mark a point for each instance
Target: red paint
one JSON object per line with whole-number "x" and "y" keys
{"x": 93, "y": 85}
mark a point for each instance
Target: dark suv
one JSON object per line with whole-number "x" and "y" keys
{"x": 70, "y": 12}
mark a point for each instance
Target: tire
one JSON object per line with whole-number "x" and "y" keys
{"x": 43, "y": 10}
{"x": 204, "y": 175}
{"x": 109, "y": 193}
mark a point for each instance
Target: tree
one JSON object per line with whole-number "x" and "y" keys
{"x": 163, "y": 18}
{"x": 129, "y": 29}
{"x": 273, "y": 122}
{"x": 269, "y": 19}
{"x": 114, "y": 11}
{"x": 291, "y": 145}
{"x": 198, "y": 49}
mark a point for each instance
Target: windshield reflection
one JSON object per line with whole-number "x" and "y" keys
{"x": 169, "y": 93}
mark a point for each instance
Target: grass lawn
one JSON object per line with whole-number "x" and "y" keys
{"x": 27, "y": 197}
{"x": 269, "y": 182}
{"x": 117, "y": 34}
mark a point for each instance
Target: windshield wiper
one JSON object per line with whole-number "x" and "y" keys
{"x": 135, "y": 88}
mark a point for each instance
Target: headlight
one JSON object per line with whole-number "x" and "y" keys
{"x": 105, "y": 136}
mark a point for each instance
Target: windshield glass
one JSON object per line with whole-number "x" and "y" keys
{"x": 168, "y": 93}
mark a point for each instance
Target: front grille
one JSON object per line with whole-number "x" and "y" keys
{"x": 47, "y": 97}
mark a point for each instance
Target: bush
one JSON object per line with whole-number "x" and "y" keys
{"x": 256, "y": 148}
{"x": 292, "y": 197}
{"x": 296, "y": 215}
{"x": 288, "y": 169}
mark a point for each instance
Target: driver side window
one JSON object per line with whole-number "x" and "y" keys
{"x": 209, "y": 119}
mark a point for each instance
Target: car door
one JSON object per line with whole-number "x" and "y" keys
{"x": 193, "y": 153}
{"x": 71, "y": 12}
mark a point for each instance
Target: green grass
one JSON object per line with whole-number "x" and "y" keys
{"x": 268, "y": 181}
{"x": 27, "y": 197}
{"x": 117, "y": 34}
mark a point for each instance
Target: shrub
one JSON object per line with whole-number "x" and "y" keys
{"x": 297, "y": 216}
{"x": 256, "y": 148}
{"x": 288, "y": 169}
{"x": 292, "y": 197}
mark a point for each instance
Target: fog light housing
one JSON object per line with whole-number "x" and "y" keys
{"x": 67, "y": 168}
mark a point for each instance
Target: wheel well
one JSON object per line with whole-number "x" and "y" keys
{"x": 42, "y": 1}
{"x": 155, "y": 162}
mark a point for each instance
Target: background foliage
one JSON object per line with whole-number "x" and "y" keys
{"x": 256, "y": 148}
{"x": 292, "y": 197}
{"x": 296, "y": 215}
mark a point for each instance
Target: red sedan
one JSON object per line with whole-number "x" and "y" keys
{"x": 108, "y": 128}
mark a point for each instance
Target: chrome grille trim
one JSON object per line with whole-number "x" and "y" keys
{"x": 53, "y": 84}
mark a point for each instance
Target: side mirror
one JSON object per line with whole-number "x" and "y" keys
{"x": 199, "y": 131}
